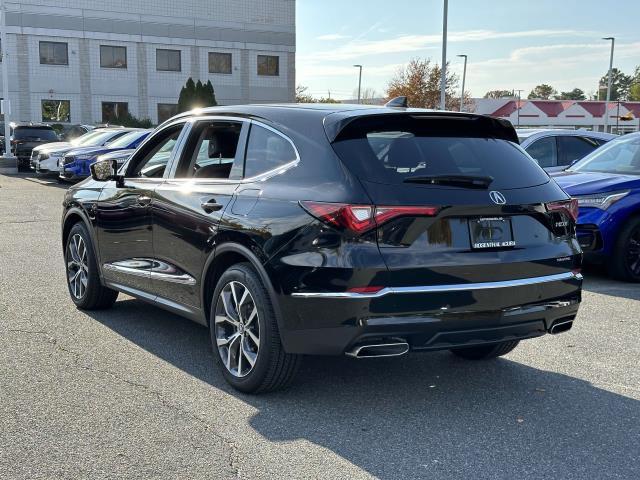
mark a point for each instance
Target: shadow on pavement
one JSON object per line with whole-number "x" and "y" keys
{"x": 598, "y": 281}
{"x": 422, "y": 415}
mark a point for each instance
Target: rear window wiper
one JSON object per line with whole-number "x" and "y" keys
{"x": 465, "y": 181}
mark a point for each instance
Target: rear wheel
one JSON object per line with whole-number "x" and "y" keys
{"x": 244, "y": 334}
{"x": 484, "y": 352}
{"x": 625, "y": 262}
{"x": 83, "y": 279}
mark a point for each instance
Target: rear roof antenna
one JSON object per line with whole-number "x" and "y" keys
{"x": 398, "y": 102}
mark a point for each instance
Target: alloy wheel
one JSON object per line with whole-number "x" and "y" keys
{"x": 77, "y": 266}
{"x": 237, "y": 329}
{"x": 633, "y": 252}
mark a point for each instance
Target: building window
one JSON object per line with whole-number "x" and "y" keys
{"x": 168, "y": 60}
{"x": 113, "y": 57}
{"x": 56, "y": 111}
{"x": 112, "y": 111}
{"x": 219, "y": 62}
{"x": 54, "y": 53}
{"x": 166, "y": 111}
{"x": 269, "y": 65}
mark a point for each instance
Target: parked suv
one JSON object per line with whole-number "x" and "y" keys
{"x": 365, "y": 231}
{"x": 26, "y": 136}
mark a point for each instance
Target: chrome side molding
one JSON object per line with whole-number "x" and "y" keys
{"x": 459, "y": 287}
{"x": 178, "y": 277}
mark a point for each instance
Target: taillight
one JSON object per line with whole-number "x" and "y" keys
{"x": 570, "y": 207}
{"x": 362, "y": 218}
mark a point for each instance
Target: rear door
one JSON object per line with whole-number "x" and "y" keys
{"x": 574, "y": 147}
{"x": 492, "y": 223}
{"x": 544, "y": 151}
{"x": 190, "y": 206}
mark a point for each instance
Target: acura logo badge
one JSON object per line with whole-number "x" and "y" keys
{"x": 497, "y": 197}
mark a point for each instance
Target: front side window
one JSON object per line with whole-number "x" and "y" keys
{"x": 168, "y": 60}
{"x": 54, "y": 53}
{"x": 56, "y": 111}
{"x": 212, "y": 151}
{"x": 544, "y": 152}
{"x": 113, "y": 57}
{"x": 152, "y": 161}
{"x": 619, "y": 156}
{"x": 219, "y": 63}
{"x": 269, "y": 65}
{"x": 112, "y": 111}
{"x": 266, "y": 151}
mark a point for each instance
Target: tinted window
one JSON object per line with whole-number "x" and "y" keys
{"x": 219, "y": 62}
{"x": 102, "y": 137}
{"x": 113, "y": 57}
{"x": 266, "y": 150}
{"x": 212, "y": 152}
{"x": 34, "y": 133}
{"x": 153, "y": 160}
{"x": 112, "y": 111}
{"x": 389, "y": 149}
{"x": 168, "y": 60}
{"x": 574, "y": 148}
{"x": 268, "y": 65}
{"x": 544, "y": 151}
{"x": 54, "y": 53}
{"x": 619, "y": 156}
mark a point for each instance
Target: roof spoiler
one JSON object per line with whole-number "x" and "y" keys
{"x": 397, "y": 102}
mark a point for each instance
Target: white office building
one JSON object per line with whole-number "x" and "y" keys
{"x": 88, "y": 61}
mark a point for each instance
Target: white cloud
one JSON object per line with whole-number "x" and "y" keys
{"x": 332, "y": 36}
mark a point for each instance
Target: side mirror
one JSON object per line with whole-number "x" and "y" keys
{"x": 104, "y": 170}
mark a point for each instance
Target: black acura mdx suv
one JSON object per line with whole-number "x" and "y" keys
{"x": 330, "y": 230}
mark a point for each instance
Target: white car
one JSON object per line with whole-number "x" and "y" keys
{"x": 45, "y": 158}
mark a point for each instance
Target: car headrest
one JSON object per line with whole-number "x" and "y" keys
{"x": 404, "y": 153}
{"x": 223, "y": 144}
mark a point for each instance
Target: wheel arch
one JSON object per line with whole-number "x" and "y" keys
{"x": 73, "y": 216}
{"x": 221, "y": 259}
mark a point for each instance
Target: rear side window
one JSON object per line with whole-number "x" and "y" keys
{"x": 266, "y": 150}
{"x": 34, "y": 133}
{"x": 378, "y": 152}
{"x": 544, "y": 151}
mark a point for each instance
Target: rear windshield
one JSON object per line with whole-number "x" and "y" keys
{"x": 392, "y": 151}
{"x": 34, "y": 133}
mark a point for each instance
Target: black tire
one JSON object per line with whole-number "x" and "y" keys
{"x": 485, "y": 352}
{"x": 273, "y": 368}
{"x": 95, "y": 296}
{"x": 625, "y": 262}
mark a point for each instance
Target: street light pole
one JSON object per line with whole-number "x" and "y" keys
{"x": 7, "y": 160}
{"x": 518, "y": 106}
{"x": 606, "y": 109}
{"x": 359, "y": 81}
{"x": 464, "y": 77}
{"x": 443, "y": 69}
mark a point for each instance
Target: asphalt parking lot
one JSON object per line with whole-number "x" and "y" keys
{"x": 133, "y": 392}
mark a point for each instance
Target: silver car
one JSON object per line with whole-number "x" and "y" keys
{"x": 555, "y": 150}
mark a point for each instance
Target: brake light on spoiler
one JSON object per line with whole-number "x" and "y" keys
{"x": 363, "y": 218}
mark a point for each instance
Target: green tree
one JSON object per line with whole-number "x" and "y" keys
{"x": 634, "y": 89}
{"x": 419, "y": 81}
{"x": 194, "y": 95}
{"x": 187, "y": 96}
{"x": 575, "y": 94}
{"x": 543, "y": 92}
{"x": 499, "y": 94}
{"x": 620, "y": 85}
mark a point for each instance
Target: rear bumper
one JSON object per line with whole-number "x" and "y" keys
{"x": 430, "y": 317}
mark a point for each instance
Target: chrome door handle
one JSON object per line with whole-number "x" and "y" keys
{"x": 211, "y": 206}
{"x": 143, "y": 200}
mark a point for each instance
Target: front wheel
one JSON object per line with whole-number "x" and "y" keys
{"x": 485, "y": 352}
{"x": 83, "y": 279}
{"x": 625, "y": 262}
{"x": 244, "y": 334}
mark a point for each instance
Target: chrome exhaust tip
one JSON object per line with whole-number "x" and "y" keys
{"x": 560, "y": 327}
{"x": 379, "y": 350}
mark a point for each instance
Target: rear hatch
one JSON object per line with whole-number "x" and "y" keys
{"x": 497, "y": 215}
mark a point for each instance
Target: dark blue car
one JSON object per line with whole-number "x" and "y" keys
{"x": 607, "y": 186}
{"x": 76, "y": 162}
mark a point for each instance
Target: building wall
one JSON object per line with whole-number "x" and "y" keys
{"x": 245, "y": 29}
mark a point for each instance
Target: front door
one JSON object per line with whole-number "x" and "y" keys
{"x": 190, "y": 204}
{"x": 124, "y": 213}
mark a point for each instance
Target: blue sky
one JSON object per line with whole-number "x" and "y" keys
{"x": 511, "y": 44}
